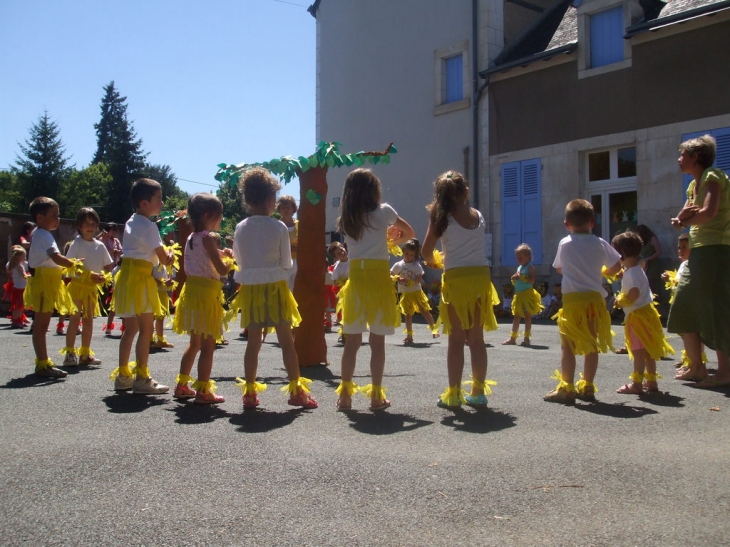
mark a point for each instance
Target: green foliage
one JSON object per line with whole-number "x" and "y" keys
{"x": 168, "y": 180}
{"x": 43, "y": 168}
{"x": 11, "y": 200}
{"x": 286, "y": 168}
{"x": 233, "y": 209}
{"x": 86, "y": 188}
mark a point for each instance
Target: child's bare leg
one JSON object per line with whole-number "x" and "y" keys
{"x": 131, "y": 327}
{"x": 455, "y": 351}
{"x": 110, "y": 319}
{"x": 590, "y": 366}
{"x": 567, "y": 363}
{"x": 528, "y": 330}
{"x": 723, "y": 367}
{"x": 160, "y": 328}
{"x": 637, "y": 376}
{"x": 478, "y": 352}
{"x": 145, "y": 324}
{"x": 188, "y": 356}
{"x": 349, "y": 360}
{"x": 693, "y": 347}
{"x": 512, "y": 340}
{"x": 409, "y": 330}
{"x": 41, "y": 320}
{"x": 205, "y": 361}
{"x": 377, "y": 365}
{"x": 73, "y": 326}
{"x": 428, "y": 316}
{"x": 288, "y": 351}
{"x": 251, "y": 357}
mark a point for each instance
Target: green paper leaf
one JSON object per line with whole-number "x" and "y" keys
{"x": 222, "y": 166}
{"x": 393, "y": 149}
{"x": 375, "y": 159}
{"x": 385, "y": 160}
{"x": 313, "y": 197}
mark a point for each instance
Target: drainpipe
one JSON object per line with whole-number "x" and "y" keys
{"x": 476, "y": 96}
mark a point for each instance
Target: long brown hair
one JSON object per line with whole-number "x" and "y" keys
{"x": 449, "y": 189}
{"x": 360, "y": 197}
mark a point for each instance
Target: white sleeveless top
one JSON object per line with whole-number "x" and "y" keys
{"x": 463, "y": 247}
{"x": 197, "y": 261}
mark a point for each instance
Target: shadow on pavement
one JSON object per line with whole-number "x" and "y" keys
{"x": 419, "y": 345}
{"x": 383, "y": 423}
{"x": 480, "y": 420}
{"x": 258, "y": 420}
{"x": 193, "y": 414}
{"x": 31, "y": 380}
{"x": 662, "y": 398}
{"x": 128, "y": 403}
{"x": 618, "y": 410}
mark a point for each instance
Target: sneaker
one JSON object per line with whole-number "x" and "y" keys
{"x": 148, "y": 386}
{"x": 123, "y": 383}
{"x": 477, "y": 401}
{"x": 89, "y": 361}
{"x": 184, "y": 391}
{"x": 51, "y": 372}
{"x": 303, "y": 400}
{"x": 208, "y": 398}
{"x": 70, "y": 360}
{"x": 560, "y": 396}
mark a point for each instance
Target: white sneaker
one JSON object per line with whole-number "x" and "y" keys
{"x": 148, "y": 386}
{"x": 123, "y": 383}
{"x": 70, "y": 360}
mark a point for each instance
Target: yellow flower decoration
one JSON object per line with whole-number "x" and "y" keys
{"x": 394, "y": 249}
{"x": 74, "y": 270}
{"x": 230, "y": 262}
{"x": 438, "y": 260}
{"x": 610, "y": 278}
{"x": 177, "y": 253}
{"x": 622, "y": 300}
{"x": 671, "y": 283}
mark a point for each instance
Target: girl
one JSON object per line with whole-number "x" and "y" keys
{"x": 526, "y": 301}
{"x": 84, "y": 289}
{"x": 199, "y": 310}
{"x": 409, "y": 274}
{"x": 164, "y": 287}
{"x": 286, "y": 206}
{"x": 367, "y": 299}
{"x": 466, "y": 299}
{"x": 645, "y": 339}
{"x": 15, "y": 287}
{"x": 263, "y": 253}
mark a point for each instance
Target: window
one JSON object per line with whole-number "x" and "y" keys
{"x": 336, "y": 202}
{"x": 611, "y": 189}
{"x": 722, "y": 159}
{"x": 607, "y": 37}
{"x": 521, "y": 209}
{"x": 454, "y": 78}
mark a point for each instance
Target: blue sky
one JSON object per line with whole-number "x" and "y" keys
{"x": 206, "y": 82}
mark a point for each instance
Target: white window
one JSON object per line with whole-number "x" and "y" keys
{"x": 452, "y": 77}
{"x": 611, "y": 188}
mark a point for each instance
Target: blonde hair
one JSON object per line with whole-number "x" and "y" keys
{"x": 360, "y": 197}
{"x": 286, "y": 200}
{"x": 524, "y": 248}
{"x": 449, "y": 188}
{"x": 704, "y": 147}
{"x": 16, "y": 253}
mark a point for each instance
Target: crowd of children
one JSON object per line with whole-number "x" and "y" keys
{"x": 370, "y": 294}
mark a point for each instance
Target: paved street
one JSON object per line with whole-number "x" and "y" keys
{"x": 81, "y": 465}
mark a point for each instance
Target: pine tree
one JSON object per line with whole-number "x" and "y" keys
{"x": 120, "y": 149}
{"x": 44, "y": 166}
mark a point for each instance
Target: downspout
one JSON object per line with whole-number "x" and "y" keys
{"x": 476, "y": 97}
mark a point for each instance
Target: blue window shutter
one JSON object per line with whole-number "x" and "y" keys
{"x": 454, "y": 79}
{"x": 607, "y": 37}
{"x": 532, "y": 207}
{"x": 722, "y": 136}
{"x": 511, "y": 212}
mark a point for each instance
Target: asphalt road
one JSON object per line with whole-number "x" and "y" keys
{"x": 81, "y": 465}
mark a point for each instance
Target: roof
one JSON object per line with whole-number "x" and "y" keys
{"x": 555, "y": 32}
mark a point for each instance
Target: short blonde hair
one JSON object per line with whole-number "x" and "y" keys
{"x": 286, "y": 200}
{"x": 704, "y": 147}
{"x": 524, "y": 248}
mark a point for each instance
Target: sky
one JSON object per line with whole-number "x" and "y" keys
{"x": 221, "y": 81}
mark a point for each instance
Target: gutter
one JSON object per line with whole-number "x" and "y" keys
{"x": 709, "y": 9}
{"x": 524, "y": 61}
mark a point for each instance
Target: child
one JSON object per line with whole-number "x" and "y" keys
{"x": 263, "y": 253}
{"x": 368, "y": 299}
{"x": 135, "y": 297}
{"x": 409, "y": 273}
{"x": 164, "y": 287}
{"x": 466, "y": 296}
{"x": 583, "y": 321}
{"x": 645, "y": 339}
{"x": 199, "y": 310}
{"x": 526, "y": 301}
{"x": 17, "y": 266}
{"x": 85, "y": 288}
{"x": 26, "y": 237}
{"x": 109, "y": 238}
{"x": 508, "y": 290}
{"x": 46, "y": 289}
{"x": 340, "y": 274}
{"x": 286, "y": 206}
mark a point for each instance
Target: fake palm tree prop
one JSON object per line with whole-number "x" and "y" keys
{"x": 311, "y": 253}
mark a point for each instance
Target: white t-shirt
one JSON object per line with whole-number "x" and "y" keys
{"x": 680, "y": 271}
{"x": 262, "y": 250}
{"x": 19, "y": 274}
{"x": 42, "y": 246}
{"x": 93, "y": 252}
{"x": 373, "y": 244}
{"x": 636, "y": 277}
{"x": 581, "y": 257}
{"x": 463, "y": 247}
{"x": 341, "y": 271}
{"x": 141, "y": 238}
{"x": 409, "y": 271}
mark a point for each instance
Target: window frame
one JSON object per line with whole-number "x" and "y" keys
{"x": 440, "y": 58}
{"x": 585, "y": 12}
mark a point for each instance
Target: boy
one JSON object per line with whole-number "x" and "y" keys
{"x": 583, "y": 321}
{"x": 135, "y": 296}
{"x": 46, "y": 290}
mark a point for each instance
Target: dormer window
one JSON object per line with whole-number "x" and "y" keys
{"x": 607, "y": 37}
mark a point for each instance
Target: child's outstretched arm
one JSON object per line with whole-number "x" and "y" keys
{"x": 429, "y": 244}
{"x": 211, "y": 247}
{"x": 531, "y": 275}
{"x": 167, "y": 258}
{"x": 61, "y": 260}
{"x": 406, "y": 232}
{"x": 613, "y": 270}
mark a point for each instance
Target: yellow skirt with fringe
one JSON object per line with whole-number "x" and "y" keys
{"x": 164, "y": 297}
{"x": 46, "y": 291}
{"x": 646, "y": 325}
{"x": 85, "y": 290}
{"x": 265, "y": 305}
{"x": 413, "y": 302}
{"x": 369, "y": 295}
{"x": 135, "y": 290}
{"x": 462, "y": 289}
{"x": 199, "y": 308}
{"x": 526, "y": 303}
{"x": 584, "y": 323}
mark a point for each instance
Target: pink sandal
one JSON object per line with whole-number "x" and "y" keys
{"x": 630, "y": 389}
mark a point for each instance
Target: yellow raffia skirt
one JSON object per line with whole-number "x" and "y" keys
{"x": 199, "y": 308}
{"x": 646, "y": 325}
{"x": 46, "y": 291}
{"x": 582, "y": 315}
{"x": 462, "y": 289}
{"x": 83, "y": 289}
{"x": 265, "y": 305}
{"x": 164, "y": 297}
{"x": 413, "y": 302}
{"x": 526, "y": 303}
{"x": 135, "y": 290}
{"x": 369, "y": 295}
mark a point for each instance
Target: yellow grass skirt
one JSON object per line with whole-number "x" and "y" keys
{"x": 199, "y": 308}
{"x": 646, "y": 325}
{"x": 135, "y": 290}
{"x": 265, "y": 305}
{"x": 462, "y": 289}
{"x": 413, "y": 302}
{"x": 164, "y": 297}
{"x": 85, "y": 290}
{"x": 369, "y": 295}
{"x": 582, "y": 314}
{"x": 46, "y": 291}
{"x": 526, "y": 303}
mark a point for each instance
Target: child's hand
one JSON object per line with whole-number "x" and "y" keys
{"x": 515, "y": 276}
{"x": 97, "y": 278}
{"x": 227, "y": 252}
{"x": 665, "y": 276}
{"x": 394, "y": 233}
{"x": 168, "y": 282}
{"x": 170, "y": 258}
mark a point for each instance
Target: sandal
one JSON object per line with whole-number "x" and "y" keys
{"x": 407, "y": 341}
{"x": 303, "y": 400}
{"x": 650, "y": 387}
{"x": 622, "y": 351}
{"x": 385, "y": 403}
{"x": 342, "y": 407}
{"x": 630, "y": 389}
{"x": 689, "y": 376}
{"x": 251, "y": 401}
